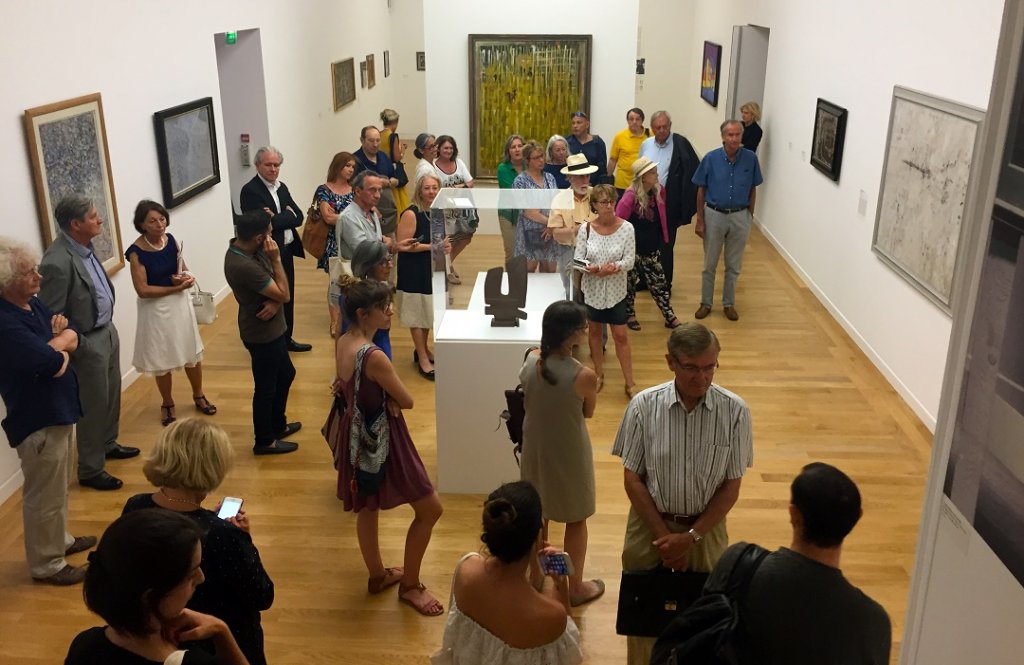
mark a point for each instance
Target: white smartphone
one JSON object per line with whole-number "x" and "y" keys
{"x": 229, "y": 507}
{"x": 556, "y": 564}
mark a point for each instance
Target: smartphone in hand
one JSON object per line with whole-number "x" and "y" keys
{"x": 229, "y": 507}
{"x": 556, "y": 564}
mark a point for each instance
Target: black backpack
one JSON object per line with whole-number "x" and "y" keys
{"x": 709, "y": 631}
{"x": 515, "y": 413}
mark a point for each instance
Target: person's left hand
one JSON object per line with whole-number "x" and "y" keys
{"x": 58, "y": 323}
{"x": 407, "y": 244}
{"x": 393, "y": 408}
{"x": 547, "y": 233}
{"x": 268, "y": 310}
{"x": 241, "y": 520}
{"x": 674, "y": 549}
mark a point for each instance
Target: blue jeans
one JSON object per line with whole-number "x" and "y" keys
{"x": 729, "y": 232}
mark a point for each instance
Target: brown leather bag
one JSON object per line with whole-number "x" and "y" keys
{"x": 314, "y": 231}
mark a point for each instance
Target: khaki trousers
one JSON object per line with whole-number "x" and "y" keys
{"x": 44, "y": 498}
{"x": 508, "y": 237}
{"x": 638, "y": 553}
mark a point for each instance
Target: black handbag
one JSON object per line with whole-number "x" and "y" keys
{"x": 650, "y": 599}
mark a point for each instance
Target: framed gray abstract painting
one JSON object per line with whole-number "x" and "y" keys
{"x": 67, "y": 144}
{"x": 186, "y": 148}
{"x": 928, "y": 158}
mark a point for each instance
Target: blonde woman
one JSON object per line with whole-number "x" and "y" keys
{"x": 415, "y": 299}
{"x": 189, "y": 461}
{"x": 752, "y": 132}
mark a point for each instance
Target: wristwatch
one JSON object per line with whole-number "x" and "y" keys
{"x": 696, "y": 536}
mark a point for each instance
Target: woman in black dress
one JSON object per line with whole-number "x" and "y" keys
{"x": 190, "y": 460}
{"x": 752, "y": 132}
{"x": 415, "y": 302}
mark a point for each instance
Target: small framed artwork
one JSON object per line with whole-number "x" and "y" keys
{"x": 343, "y": 82}
{"x": 362, "y": 74}
{"x": 828, "y": 139}
{"x": 371, "y": 74}
{"x": 387, "y": 64}
{"x": 67, "y": 144}
{"x": 709, "y": 78}
{"x": 186, "y": 149}
{"x": 421, "y": 61}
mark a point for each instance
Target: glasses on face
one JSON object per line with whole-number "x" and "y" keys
{"x": 386, "y": 261}
{"x": 34, "y": 270}
{"x": 694, "y": 370}
{"x": 603, "y": 202}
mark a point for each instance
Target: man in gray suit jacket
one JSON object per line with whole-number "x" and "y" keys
{"x": 76, "y": 285}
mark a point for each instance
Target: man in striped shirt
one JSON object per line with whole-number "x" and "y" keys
{"x": 685, "y": 446}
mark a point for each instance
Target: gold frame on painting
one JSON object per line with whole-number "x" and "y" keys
{"x": 523, "y": 84}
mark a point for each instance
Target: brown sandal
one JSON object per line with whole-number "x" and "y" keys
{"x": 391, "y": 577}
{"x": 204, "y": 405}
{"x": 432, "y": 608}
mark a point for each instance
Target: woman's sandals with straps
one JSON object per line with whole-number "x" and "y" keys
{"x": 391, "y": 577}
{"x": 425, "y": 604}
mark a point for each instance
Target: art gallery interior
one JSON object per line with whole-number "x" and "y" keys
{"x": 274, "y": 84}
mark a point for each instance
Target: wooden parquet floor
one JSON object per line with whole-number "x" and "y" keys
{"x": 812, "y": 393}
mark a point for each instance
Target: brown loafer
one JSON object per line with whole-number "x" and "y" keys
{"x": 702, "y": 311}
{"x": 81, "y": 544}
{"x": 731, "y": 313}
{"x": 66, "y": 576}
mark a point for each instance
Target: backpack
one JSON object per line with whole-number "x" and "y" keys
{"x": 710, "y": 630}
{"x": 515, "y": 413}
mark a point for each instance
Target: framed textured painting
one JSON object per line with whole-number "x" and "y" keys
{"x": 343, "y": 82}
{"x": 362, "y": 74}
{"x": 527, "y": 84}
{"x": 928, "y": 156}
{"x": 711, "y": 65}
{"x": 67, "y": 145}
{"x": 186, "y": 149}
{"x": 371, "y": 73}
{"x": 387, "y": 64}
{"x": 421, "y": 61}
{"x": 828, "y": 139}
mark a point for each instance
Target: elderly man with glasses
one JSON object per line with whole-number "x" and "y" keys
{"x": 685, "y": 446}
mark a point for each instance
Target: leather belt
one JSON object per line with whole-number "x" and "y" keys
{"x": 725, "y": 211}
{"x": 684, "y": 520}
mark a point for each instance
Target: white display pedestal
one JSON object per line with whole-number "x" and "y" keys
{"x": 476, "y": 363}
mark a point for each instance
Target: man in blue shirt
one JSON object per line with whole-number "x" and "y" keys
{"x": 727, "y": 181}
{"x": 76, "y": 286}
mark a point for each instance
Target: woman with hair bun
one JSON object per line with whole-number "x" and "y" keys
{"x": 560, "y": 393}
{"x": 495, "y": 616}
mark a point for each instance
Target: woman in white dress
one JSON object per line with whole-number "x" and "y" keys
{"x": 495, "y": 616}
{"x": 167, "y": 337}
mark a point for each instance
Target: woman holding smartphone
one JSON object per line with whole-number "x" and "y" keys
{"x": 415, "y": 299}
{"x": 560, "y": 393}
{"x": 495, "y": 615}
{"x": 189, "y": 461}
{"x": 405, "y": 480}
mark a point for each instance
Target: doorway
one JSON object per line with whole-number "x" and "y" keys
{"x": 243, "y": 102}
{"x": 747, "y": 68}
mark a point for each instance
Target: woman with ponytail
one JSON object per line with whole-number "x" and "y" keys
{"x": 560, "y": 392}
{"x": 495, "y": 616}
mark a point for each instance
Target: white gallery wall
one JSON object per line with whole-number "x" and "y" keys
{"x": 851, "y": 54}
{"x": 447, "y": 24}
{"x": 143, "y": 57}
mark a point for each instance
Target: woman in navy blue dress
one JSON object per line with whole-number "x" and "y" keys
{"x": 167, "y": 337}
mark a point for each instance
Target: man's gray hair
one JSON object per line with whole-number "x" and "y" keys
{"x": 691, "y": 339}
{"x": 13, "y": 254}
{"x": 71, "y": 207}
{"x": 264, "y": 151}
{"x": 358, "y": 181}
{"x": 729, "y": 122}
{"x": 658, "y": 114}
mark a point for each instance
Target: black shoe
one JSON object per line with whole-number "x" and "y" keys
{"x": 122, "y": 452}
{"x": 289, "y": 429}
{"x": 102, "y": 481}
{"x": 278, "y": 447}
{"x": 298, "y": 347}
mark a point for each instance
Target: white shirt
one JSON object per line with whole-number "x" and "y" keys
{"x": 660, "y": 153}
{"x": 273, "y": 187}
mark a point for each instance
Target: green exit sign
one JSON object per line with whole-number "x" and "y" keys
{"x": 230, "y": 37}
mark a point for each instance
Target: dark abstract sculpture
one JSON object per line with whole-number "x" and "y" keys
{"x": 505, "y": 307}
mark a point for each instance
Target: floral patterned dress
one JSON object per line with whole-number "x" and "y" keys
{"x": 339, "y": 202}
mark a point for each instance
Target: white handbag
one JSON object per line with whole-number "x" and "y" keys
{"x": 202, "y": 301}
{"x": 337, "y": 266}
